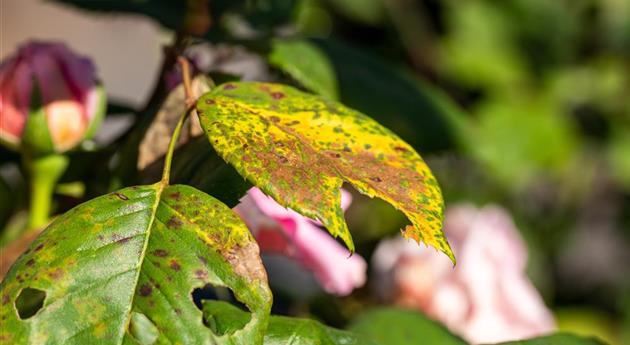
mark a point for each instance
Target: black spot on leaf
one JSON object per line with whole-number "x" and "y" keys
{"x": 277, "y": 95}
{"x": 175, "y": 265}
{"x": 145, "y": 290}
{"x": 121, "y": 196}
{"x": 174, "y": 222}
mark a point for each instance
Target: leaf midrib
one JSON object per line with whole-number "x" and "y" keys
{"x": 158, "y": 197}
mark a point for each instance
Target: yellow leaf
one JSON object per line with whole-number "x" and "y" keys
{"x": 300, "y": 148}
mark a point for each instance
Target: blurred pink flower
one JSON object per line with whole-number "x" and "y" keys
{"x": 285, "y": 231}
{"x": 51, "y": 78}
{"x": 487, "y": 297}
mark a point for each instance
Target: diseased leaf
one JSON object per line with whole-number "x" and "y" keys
{"x": 300, "y": 148}
{"x": 307, "y": 64}
{"x": 120, "y": 269}
{"x": 225, "y": 318}
{"x": 393, "y": 326}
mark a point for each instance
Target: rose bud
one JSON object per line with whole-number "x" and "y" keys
{"x": 50, "y": 99}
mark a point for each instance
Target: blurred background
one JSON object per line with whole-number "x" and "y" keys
{"x": 520, "y": 103}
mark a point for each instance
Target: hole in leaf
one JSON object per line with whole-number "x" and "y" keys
{"x": 29, "y": 302}
{"x": 142, "y": 329}
{"x": 222, "y": 312}
{"x": 211, "y": 292}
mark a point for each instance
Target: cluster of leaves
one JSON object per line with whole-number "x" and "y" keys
{"x": 121, "y": 268}
{"x": 129, "y": 256}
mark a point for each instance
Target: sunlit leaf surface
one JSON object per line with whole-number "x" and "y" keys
{"x": 120, "y": 269}
{"x": 300, "y": 148}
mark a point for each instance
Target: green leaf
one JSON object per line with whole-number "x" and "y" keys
{"x": 557, "y": 339}
{"x": 418, "y": 113}
{"x": 120, "y": 269}
{"x": 225, "y": 318}
{"x": 518, "y": 139}
{"x": 300, "y": 148}
{"x": 305, "y": 63}
{"x": 393, "y": 326}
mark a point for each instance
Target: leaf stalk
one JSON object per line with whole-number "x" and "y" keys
{"x": 190, "y": 106}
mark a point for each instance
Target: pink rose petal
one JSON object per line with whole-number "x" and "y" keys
{"x": 279, "y": 229}
{"x": 487, "y": 297}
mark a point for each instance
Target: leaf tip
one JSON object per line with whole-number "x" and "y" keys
{"x": 441, "y": 244}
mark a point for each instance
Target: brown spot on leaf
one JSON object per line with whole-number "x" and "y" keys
{"x": 209, "y": 101}
{"x": 203, "y": 260}
{"x": 376, "y": 179}
{"x": 201, "y": 274}
{"x": 145, "y": 290}
{"x": 274, "y": 119}
{"x": 175, "y": 265}
{"x": 30, "y": 262}
{"x": 160, "y": 252}
{"x": 56, "y": 274}
{"x": 277, "y": 95}
{"x": 121, "y": 196}
{"x": 6, "y": 299}
{"x": 229, "y": 87}
{"x": 124, "y": 240}
{"x": 174, "y": 222}
{"x": 39, "y": 247}
{"x": 246, "y": 262}
{"x": 176, "y": 196}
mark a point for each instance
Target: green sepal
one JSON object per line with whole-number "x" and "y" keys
{"x": 36, "y": 138}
